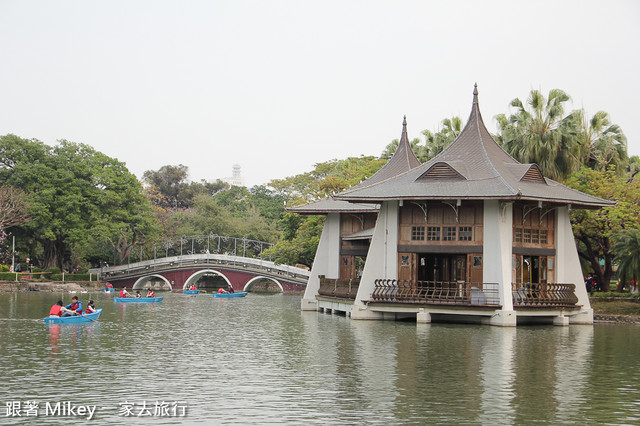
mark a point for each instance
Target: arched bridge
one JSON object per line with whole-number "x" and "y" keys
{"x": 205, "y": 271}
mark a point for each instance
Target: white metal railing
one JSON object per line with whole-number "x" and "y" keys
{"x": 213, "y": 259}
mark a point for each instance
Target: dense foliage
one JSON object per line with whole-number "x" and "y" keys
{"x": 79, "y": 200}
{"x": 597, "y": 230}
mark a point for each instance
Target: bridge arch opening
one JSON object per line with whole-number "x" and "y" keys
{"x": 156, "y": 282}
{"x": 253, "y": 282}
{"x": 198, "y": 277}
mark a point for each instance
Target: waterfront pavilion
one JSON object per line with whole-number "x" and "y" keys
{"x": 471, "y": 235}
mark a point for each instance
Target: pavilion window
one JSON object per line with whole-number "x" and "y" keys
{"x": 543, "y": 236}
{"x": 527, "y": 235}
{"x": 417, "y": 233}
{"x": 433, "y": 233}
{"x": 449, "y": 233}
{"x": 518, "y": 235}
{"x": 465, "y": 233}
{"x": 535, "y": 236}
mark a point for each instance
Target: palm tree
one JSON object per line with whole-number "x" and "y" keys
{"x": 540, "y": 134}
{"x": 436, "y": 142}
{"x": 627, "y": 249}
{"x": 390, "y": 149}
{"x": 602, "y": 144}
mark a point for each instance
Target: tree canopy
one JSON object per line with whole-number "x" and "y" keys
{"x": 596, "y": 230}
{"x": 78, "y": 199}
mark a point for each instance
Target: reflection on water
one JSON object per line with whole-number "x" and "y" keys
{"x": 259, "y": 359}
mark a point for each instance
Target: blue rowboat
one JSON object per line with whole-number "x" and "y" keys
{"x": 109, "y": 290}
{"x": 137, "y": 299}
{"x": 238, "y": 294}
{"x": 75, "y": 319}
{"x": 191, "y": 291}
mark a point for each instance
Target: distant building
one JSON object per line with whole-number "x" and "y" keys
{"x": 236, "y": 178}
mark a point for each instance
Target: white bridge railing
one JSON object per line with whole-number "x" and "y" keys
{"x": 239, "y": 262}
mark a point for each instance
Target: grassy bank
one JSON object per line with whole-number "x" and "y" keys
{"x": 615, "y": 307}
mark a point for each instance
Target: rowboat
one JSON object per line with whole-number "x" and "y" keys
{"x": 238, "y": 294}
{"x": 75, "y": 319}
{"x": 191, "y": 291}
{"x": 137, "y": 299}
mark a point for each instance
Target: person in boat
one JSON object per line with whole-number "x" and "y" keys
{"x": 91, "y": 309}
{"x": 73, "y": 308}
{"x": 56, "y": 310}
{"x": 230, "y": 290}
{"x": 123, "y": 292}
{"x": 138, "y": 295}
{"x": 109, "y": 285}
{"x": 150, "y": 293}
{"x": 221, "y": 290}
{"x": 193, "y": 287}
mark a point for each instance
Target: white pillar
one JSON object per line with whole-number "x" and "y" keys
{"x": 567, "y": 266}
{"x": 382, "y": 259}
{"x": 326, "y": 262}
{"x": 496, "y": 256}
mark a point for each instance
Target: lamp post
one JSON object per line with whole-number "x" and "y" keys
{"x": 13, "y": 255}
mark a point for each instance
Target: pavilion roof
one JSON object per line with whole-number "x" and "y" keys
{"x": 473, "y": 166}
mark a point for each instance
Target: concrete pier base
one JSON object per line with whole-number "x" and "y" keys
{"x": 423, "y": 317}
{"x": 503, "y": 319}
{"x": 561, "y": 320}
{"x": 584, "y": 317}
{"x": 309, "y": 305}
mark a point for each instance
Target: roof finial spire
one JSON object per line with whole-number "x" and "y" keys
{"x": 475, "y": 93}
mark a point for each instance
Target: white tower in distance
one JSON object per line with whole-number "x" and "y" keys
{"x": 236, "y": 178}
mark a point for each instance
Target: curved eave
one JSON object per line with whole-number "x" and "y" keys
{"x": 575, "y": 204}
{"x": 327, "y": 211}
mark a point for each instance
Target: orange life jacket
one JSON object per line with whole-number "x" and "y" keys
{"x": 56, "y": 310}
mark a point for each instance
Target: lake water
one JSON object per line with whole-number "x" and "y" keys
{"x": 259, "y": 359}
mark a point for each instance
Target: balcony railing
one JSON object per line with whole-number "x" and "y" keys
{"x": 436, "y": 292}
{"x": 543, "y": 294}
{"x": 345, "y": 289}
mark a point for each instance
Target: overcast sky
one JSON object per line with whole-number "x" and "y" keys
{"x": 278, "y": 86}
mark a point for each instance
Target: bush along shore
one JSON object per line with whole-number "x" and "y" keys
{"x": 50, "y": 286}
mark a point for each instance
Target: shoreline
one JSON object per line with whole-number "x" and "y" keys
{"x": 49, "y": 286}
{"x": 80, "y": 286}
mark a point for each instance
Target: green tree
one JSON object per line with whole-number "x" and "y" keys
{"x": 595, "y": 230}
{"x": 540, "y": 134}
{"x": 325, "y": 179}
{"x": 211, "y": 216}
{"x": 301, "y": 247}
{"x": 173, "y": 188}
{"x": 627, "y": 250}
{"x": 170, "y": 182}
{"x": 301, "y": 234}
{"x": 77, "y": 198}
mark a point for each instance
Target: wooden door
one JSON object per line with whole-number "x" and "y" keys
{"x": 407, "y": 266}
{"x": 474, "y": 267}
